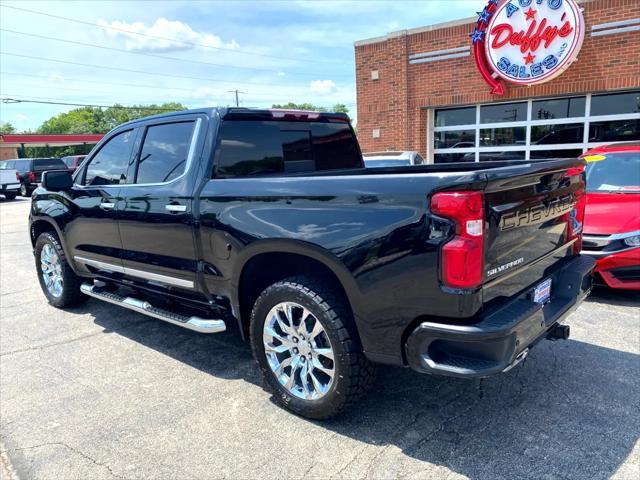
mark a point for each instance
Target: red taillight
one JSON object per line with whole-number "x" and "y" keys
{"x": 32, "y": 177}
{"x": 575, "y": 218}
{"x": 576, "y": 221}
{"x": 462, "y": 257}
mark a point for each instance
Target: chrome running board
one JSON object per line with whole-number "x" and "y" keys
{"x": 197, "y": 324}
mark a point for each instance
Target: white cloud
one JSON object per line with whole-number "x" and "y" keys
{"x": 322, "y": 87}
{"x": 159, "y": 33}
{"x": 281, "y": 74}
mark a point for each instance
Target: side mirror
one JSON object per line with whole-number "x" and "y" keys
{"x": 57, "y": 180}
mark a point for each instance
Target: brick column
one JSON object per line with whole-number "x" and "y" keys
{"x": 383, "y": 103}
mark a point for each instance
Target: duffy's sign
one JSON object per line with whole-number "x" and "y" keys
{"x": 526, "y": 41}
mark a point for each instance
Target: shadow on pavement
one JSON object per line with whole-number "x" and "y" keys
{"x": 571, "y": 410}
{"x": 623, "y": 298}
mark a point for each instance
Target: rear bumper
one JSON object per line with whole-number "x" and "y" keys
{"x": 502, "y": 338}
{"x": 11, "y": 187}
{"x": 620, "y": 270}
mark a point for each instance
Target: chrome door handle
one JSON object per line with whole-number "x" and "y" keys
{"x": 176, "y": 208}
{"x": 107, "y": 205}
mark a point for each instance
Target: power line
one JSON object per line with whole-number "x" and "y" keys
{"x": 118, "y": 84}
{"x": 183, "y": 42}
{"x": 10, "y": 99}
{"x": 83, "y": 80}
{"x": 74, "y": 89}
{"x": 15, "y": 100}
{"x": 153, "y": 55}
{"x": 269, "y": 97}
{"x": 155, "y": 74}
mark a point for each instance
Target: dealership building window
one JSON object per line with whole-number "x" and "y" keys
{"x": 533, "y": 129}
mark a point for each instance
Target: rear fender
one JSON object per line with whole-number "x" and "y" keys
{"x": 289, "y": 246}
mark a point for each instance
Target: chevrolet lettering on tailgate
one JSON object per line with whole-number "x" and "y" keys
{"x": 537, "y": 214}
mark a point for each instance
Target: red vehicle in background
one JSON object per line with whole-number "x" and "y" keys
{"x": 73, "y": 161}
{"x": 612, "y": 215}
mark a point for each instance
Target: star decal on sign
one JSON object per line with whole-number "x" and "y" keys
{"x": 477, "y": 35}
{"x": 484, "y": 16}
{"x": 531, "y": 13}
{"x": 494, "y": 2}
{"x": 529, "y": 58}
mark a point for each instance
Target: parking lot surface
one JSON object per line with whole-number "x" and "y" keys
{"x": 100, "y": 392}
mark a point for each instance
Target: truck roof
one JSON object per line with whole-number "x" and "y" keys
{"x": 257, "y": 113}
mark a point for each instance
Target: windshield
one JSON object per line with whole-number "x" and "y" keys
{"x": 613, "y": 172}
{"x": 386, "y": 163}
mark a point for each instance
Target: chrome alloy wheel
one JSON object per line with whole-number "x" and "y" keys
{"x": 51, "y": 270}
{"x": 299, "y": 351}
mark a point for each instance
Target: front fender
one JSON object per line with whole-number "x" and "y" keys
{"x": 49, "y": 211}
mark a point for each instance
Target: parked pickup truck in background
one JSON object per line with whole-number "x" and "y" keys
{"x": 30, "y": 171}
{"x": 9, "y": 181}
{"x": 268, "y": 221}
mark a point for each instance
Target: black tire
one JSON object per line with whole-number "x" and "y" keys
{"x": 71, "y": 294}
{"x": 24, "y": 190}
{"x": 354, "y": 374}
{"x": 10, "y": 195}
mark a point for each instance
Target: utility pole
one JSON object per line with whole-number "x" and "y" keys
{"x": 236, "y": 91}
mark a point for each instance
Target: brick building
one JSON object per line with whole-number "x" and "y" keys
{"x": 420, "y": 89}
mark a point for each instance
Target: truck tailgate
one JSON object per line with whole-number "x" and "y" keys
{"x": 530, "y": 216}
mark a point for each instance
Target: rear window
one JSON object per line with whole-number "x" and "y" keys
{"x": 22, "y": 165}
{"x": 253, "y": 147}
{"x": 48, "y": 163}
{"x": 164, "y": 152}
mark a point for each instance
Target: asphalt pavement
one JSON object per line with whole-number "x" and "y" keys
{"x": 99, "y": 392}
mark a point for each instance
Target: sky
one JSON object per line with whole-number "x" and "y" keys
{"x": 193, "y": 52}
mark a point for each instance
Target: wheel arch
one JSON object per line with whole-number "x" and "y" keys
{"x": 40, "y": 225}
{"x": 272, "y": 261}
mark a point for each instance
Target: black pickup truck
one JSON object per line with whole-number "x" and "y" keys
{"x": 268, "y": 221}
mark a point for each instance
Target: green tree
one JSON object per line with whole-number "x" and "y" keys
{"x": 6, "y": 127}
{"x": 338, "y": 107}
{"x": 101, "y": 120}
{"x": 341, "y": 108}
{"x": 93, "y": 120}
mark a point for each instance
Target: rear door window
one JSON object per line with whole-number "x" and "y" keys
{"x": 164, "y": 152}
{"x": 109, "y": 166}
{"x": 254, "y": 147}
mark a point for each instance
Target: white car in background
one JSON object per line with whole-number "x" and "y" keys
{"x": 9, "y": 182}
{"x": 392, "y": 159}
